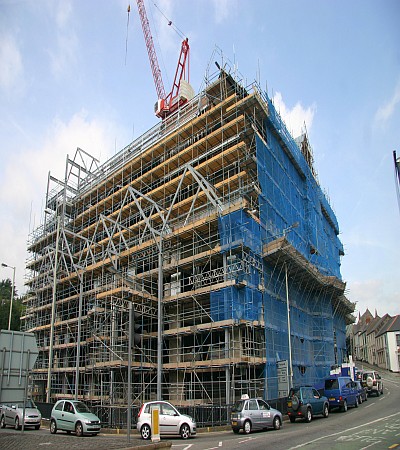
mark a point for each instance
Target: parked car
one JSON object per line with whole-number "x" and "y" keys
{"x": 372, "y": 381}
{"x": 73, "y": 415}
{"x": 254, "y": 414}
{"x": 341, "y": 392}
{"x": 362, "y": 392}
{"x": 306, "y": 402}
{"x": 171, "y": 421}
{"x": 11, "y": 414}
{"x": 359, "y": 374}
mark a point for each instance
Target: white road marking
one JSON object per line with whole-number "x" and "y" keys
{"x": 370, "y": 445}
{"x": 345, "y": 431}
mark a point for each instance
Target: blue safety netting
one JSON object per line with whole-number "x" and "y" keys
{"x": 236, "y": 303}
{"x": 289, "y": 194}
{"x": 238, "y": 228}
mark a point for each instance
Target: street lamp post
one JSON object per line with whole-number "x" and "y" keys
{"x": 12, "y": 294}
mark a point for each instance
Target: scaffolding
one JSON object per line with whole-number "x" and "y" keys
{"x": 188, "y": 225}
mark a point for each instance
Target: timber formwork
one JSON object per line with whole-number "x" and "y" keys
{"x": 149, "y": 228}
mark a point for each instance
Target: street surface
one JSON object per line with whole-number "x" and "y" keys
{"x": 374, "y": 425}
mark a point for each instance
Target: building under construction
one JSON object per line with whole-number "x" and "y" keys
{"x": 203, "y": 258}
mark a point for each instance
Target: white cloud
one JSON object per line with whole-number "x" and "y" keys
{"x": 63, "y": 57}
{"x": 296, "y": 117}
{"x": 10, "y": 62}
{"x": 24, "y": 182}
{"x": 385, "y": 111}
{"x": 63, "y": 14}
{"x": 222, "y": 9}
{"x": 375, "y": 294}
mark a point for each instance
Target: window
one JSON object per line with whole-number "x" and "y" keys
{"x": 263, "y": 405}
{"x": 68, "y": 407}
{"x": 59, "y": 407}
{"x": 168, "y": 410}
{"x": 398, "y": 340}
{"x": 331, "y": 384}
{"x": 253, "y": 405}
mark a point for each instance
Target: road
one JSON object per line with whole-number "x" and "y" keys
{"x": 373, "y": 425}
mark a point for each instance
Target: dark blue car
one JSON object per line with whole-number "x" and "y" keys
{"x": 341, "y": 392}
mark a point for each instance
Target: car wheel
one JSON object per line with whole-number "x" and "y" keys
{"x": 344, "y": 407}
{"x": 145, "y": 432}
{"x": 308, "y": 415}
{"x": 185, "y": 431}
{"x": 37, "y": 427}
{"x": 79, "y": 429}
{"x": 360, "y": 399}
{"x": 277, "y": 423}
{"x": 2, "y": 422}
{"x": 17, "y": 423}
{"x": 326, "y": 411}
{"x": 356, "y": 403}
{"x": 53, "y": 427}
{"x": 236, "y": 430}
{"x": 295, "y": 403}
{"x": 247, "y": 427}
{"x": 378, "y": 393}
{"x": 292, "y": 419}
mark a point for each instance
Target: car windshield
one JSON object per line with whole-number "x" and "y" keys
{"x": 30, "y": 404}
{"x": 367, "y": 374}
{"x": 81, "y": 407}
{"x": 332, "y": 384}
{"x": 238, "y": 406}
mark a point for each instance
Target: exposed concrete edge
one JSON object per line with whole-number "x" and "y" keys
{"x": 152, "y": 446}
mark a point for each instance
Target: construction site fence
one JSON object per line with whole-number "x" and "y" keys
{"x": 204, "y": 415}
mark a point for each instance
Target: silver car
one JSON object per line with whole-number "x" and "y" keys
{"x": 171, "y": 421}
{"x": 254, "y": 414}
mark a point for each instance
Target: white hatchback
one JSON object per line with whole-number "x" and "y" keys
{"x": 172, "y": 422}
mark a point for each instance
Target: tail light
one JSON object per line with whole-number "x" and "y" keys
{"x": 374, "y": 383}
{"x": 140, "y": 411}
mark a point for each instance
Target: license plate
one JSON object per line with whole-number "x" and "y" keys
{"x": 332, "y": 399}
{"x": 234, "y": 424}
{"x": 289, "y": 404}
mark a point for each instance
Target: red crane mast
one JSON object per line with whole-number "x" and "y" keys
{"x": 166, "y": 104}
{"x": 155, "y": 68}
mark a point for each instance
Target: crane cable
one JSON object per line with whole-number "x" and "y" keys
{"x": 127, "y": 29}
{"x": 171, "y": 24}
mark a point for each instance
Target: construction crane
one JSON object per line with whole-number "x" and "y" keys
{"x": 181, "y": 90}
{"x": 396, "y": 160}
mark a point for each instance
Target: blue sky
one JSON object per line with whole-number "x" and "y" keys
{"x": 72, "y": 74}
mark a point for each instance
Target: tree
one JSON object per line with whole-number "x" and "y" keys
{"x": 17, "y": 307}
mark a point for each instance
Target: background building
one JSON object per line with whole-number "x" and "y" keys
{"x": 214, "y": 229}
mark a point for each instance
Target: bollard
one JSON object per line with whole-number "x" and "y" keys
{"x": 155, "y": 424}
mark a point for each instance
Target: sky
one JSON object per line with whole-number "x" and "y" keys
{"x": 76, "y": 74}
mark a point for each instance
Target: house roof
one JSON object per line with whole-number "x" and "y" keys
{"x": 391, "y": 325}
{"x": 372, "y": 325}
{"x": 377, "y": 325}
